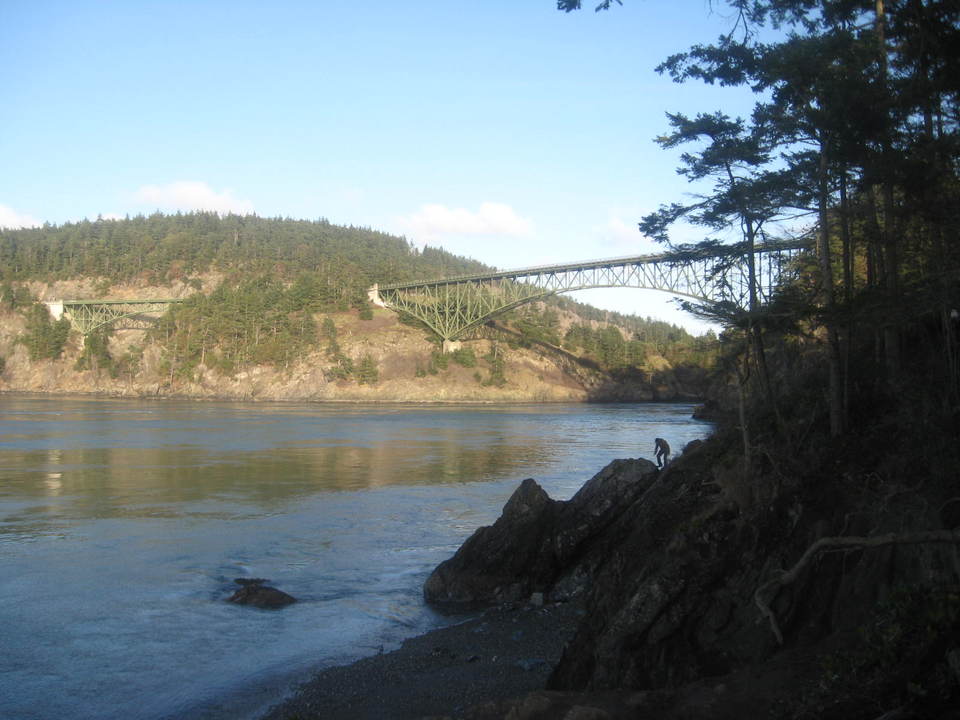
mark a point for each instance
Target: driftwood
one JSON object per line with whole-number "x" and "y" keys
{"x": 824, "y": 544}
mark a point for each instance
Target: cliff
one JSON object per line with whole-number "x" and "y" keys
{"x": 824, "y": 587}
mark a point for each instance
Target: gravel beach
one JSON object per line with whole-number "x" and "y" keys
{"x": 505, "y": 653}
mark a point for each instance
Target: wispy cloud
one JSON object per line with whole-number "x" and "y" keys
{"x": 622, "y": 237}
{"x": 10, "y": 218}
{"x": 192, "y": 195}
{"x": 433, "y": 220}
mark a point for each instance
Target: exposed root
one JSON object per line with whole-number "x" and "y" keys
{"x": 763, "y": 597}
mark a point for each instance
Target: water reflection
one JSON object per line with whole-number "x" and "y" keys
{"x": 118, "y": 459}
{"x": 122, "y": 524}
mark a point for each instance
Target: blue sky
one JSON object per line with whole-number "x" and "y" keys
{"x": 506, "y": 131}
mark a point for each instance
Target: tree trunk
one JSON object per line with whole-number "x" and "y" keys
{"x": 835, "y": 399}
{"x": 847, "y": 288}
{"x": 743, "y": 377}
{"x": 891, "y": 335}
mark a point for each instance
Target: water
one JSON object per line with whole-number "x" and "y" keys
{"x": 123, "y": 524}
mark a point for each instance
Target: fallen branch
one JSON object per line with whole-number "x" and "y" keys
{"x": 839, "y": 543}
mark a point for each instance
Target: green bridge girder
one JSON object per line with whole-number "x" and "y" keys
{"x": 453, "y": 306}
{"x": 89, "y": 315}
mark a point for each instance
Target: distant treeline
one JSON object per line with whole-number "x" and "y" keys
{"x": 614, "y": 342}
{"x": 278, "y": 275}
{"x": 163, "y": 248}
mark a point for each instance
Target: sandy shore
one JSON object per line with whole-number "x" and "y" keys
{"x": 505, "y": 653}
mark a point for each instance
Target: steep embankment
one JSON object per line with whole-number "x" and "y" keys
{"x": 714, "y": 595}
{"x": 404, "y": 362}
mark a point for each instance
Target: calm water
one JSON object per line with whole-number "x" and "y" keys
{"x": 123, "y": 524}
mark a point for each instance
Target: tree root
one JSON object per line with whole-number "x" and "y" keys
{"x": 824, "y": 544}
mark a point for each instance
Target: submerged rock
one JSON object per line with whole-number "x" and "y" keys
{"x": 253, "y": 592}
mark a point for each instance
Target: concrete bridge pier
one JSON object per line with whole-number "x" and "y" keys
{"x": 55, "y": 307}
{"x": 373, "y": 295}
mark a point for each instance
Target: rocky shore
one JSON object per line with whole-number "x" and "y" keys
{"x": 504, "y": 653}
{"x": 690, "y": 592}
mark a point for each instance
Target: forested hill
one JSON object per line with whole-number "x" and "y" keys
{"x": 162, "y": 248}
{"x": 287, "y": 300}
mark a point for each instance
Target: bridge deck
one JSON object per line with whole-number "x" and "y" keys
{"x": 649, "y": 259}
{"x": 452, "y": 306}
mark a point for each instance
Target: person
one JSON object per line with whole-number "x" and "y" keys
{"x": 662, "y": 450}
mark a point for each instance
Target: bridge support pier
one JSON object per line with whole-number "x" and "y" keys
{"x": 55, "y": 307}
{"x": 373, "y": 295}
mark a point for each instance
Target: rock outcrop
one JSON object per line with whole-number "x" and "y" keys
{"x": 671, "y": 565}
{"x": 532, "y": 547}
{"x": 253, "y": 592}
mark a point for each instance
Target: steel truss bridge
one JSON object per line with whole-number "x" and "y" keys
{"x": 453, "y": 306}
{"x": 89, "y": 315}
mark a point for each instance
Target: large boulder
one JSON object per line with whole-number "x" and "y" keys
{"x": 502, "y": 562}
{"x": 537, "y": 541}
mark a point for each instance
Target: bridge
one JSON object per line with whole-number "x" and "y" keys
{"x": 89, "y": 315}
{"x": 453, "y": 306}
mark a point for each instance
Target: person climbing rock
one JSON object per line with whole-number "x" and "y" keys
{"x": 662, "y": 450}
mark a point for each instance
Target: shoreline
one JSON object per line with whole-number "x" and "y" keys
{"x": 502, "y": 654}
{"x": 311, "y": 401}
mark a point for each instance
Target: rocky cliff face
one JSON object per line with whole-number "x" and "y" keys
{"x": 540, "y": 545}
{"x": 684, "y": 578}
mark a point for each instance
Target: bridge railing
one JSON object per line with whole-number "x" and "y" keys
{"x": 453, "y": 305}
{"x": 681, "y": 256}
{"x": 89, "y": 315}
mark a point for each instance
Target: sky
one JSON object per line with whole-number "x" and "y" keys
{"x": 509, "y": 132}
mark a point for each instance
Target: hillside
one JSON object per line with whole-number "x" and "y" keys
{"x": 277, "y": 309}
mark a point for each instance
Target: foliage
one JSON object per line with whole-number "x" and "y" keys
{"x": 607, "y": 347}
{"x": 258, "y": 321}
{"x": 44, "y": 338}
{"x": 367, "y": 372}
{"x": 279, "y": 273}
{"x": 340, "y": 263}
{"x": 535, "y": 326}
{"x": 96, "y": 354}
{"x": 15, "y": 296}
{"x": 464, "y": 357}
{"x": 496, "y": 378}
{"x": 878, "y": 191}
{"x": 438, "y": 361}
{"x": 129, "y": 363}
{"x": 901, "y": 659}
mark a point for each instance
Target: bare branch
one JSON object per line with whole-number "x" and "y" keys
{"x": 825, "y": 544}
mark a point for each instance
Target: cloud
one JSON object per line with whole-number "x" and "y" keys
{"x": 622, "y": 237}
{"x": 192, "y": 195}
{"x": 10, "y": 218}
{"x": 621, "y": 232}
{"x": 492, "y": 218}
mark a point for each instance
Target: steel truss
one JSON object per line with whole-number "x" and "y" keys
{"x": 89, "y": 315}
{"x": 453, "y": 306}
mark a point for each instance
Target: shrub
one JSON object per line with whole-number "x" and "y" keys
{"x": 464, "y": 357}
{"x": 367, "y": 372}
{"x": 44, "y": 338}
{"x": 95, "y": 355}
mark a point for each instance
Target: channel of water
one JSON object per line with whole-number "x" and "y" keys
{"x": 124, "y": 522}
